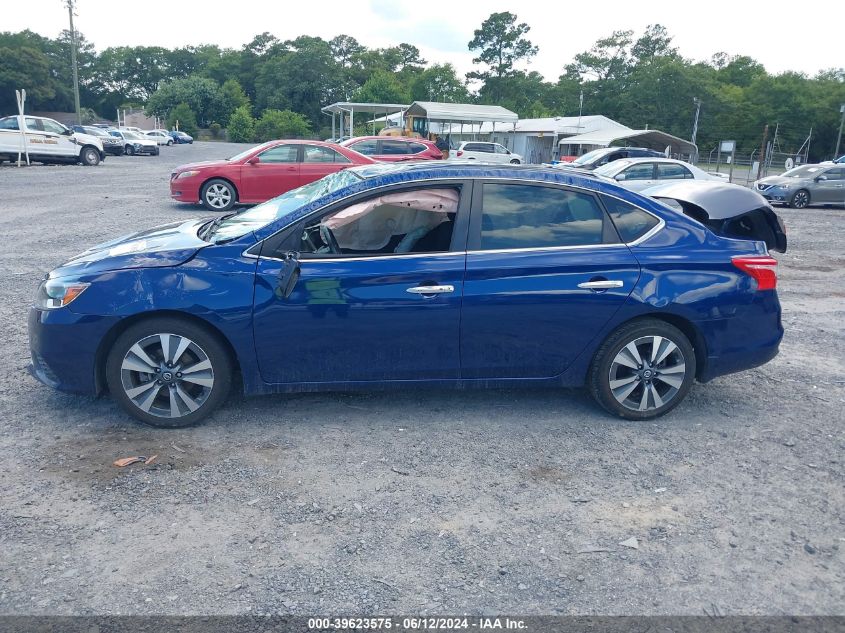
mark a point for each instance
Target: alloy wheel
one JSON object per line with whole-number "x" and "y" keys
{"x": 647, "y": 373}
{"x": 218, "y": 196}
{"x": 167, "y": 375}
{"x": 801, "y": 199}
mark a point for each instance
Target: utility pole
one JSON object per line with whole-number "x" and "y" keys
{"x": 763, "y": 152}
{"x": 697, "y": 103}
{"x": 839, "y": 138}
{"x": 70, "y": 9}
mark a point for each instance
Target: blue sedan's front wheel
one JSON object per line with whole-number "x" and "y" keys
{"x": 643, "y": 370}
{"x": 168, "y": 372}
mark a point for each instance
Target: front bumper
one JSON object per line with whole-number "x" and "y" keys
{"x": 114, "y": 150}
{"x": 185, "y": 190}
{"x": 772, "y": 194}
{"x": 64, "y": 346}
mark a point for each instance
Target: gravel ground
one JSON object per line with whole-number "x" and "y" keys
{"x": 416, "y": 502}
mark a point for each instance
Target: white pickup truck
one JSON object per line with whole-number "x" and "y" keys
{"x": 47, "y": 141}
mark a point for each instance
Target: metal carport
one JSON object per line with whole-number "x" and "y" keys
{"x": 347, "y": 107}
{"x": 652, "y": 139}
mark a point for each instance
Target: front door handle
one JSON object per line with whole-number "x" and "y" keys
{"x": 602, "y": 284}
{"x": 430, "y": 290}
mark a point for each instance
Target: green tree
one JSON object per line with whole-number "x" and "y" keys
{"x": 234, "y": 97}
{"x": 382, "y": 87}
{"x": 277, "y": 124}
{"x": 241, "y": 127}
{"x": 27, "y": 68}
{"x": 439, "y": 82}
{"x": 182, "y": 117}
{"x": 203, "y": 96}
{"x": 502, "y": 43}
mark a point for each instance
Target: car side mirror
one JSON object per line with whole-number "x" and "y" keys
{"x": 820, "y": 178}
{"x": 619, "y": 177}
{"x": 288, "y": 276}
{"x": 253, "y": 161}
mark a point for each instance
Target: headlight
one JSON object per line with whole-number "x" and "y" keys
{"x": 57, "y": 293}
{"x": 186, "y": 174}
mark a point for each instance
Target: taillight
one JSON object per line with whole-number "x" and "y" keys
{"x": 764, "y": 269}
{"x": 460, "y": 152}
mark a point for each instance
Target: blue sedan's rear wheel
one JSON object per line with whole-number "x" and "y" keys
{"x": 643, "y": 370}
{"x": 168, "y": 373}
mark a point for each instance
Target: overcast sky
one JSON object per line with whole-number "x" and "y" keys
{"x": 803, "y": 38}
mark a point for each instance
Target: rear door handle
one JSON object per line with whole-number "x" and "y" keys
{"x": 430, "y": 290}
{"x": 603, "y": 284}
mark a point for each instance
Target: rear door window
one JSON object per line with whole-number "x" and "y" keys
{"x": 672, "y": 171}
{"x": 530, "y": 216}
{"x": 317, "y": 154}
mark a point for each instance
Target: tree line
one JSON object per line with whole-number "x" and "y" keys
{"x": 270, "y": 88}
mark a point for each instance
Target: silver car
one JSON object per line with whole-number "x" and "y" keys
{"x": 799, "y": 187}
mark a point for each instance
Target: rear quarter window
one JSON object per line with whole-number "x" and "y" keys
{"x": 631, "y": 222}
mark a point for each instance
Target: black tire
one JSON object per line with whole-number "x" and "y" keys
{"x": 169, "y": 143}
{"x": 89, "y": 156}
{"x": 212, "y": 198}
{"x": 157, "y": 151}
{"x": 205, "y": 342}
{"x": 599, "y": 377}
{"x": 515, "y": 162}
{"x": 800, "y": 199}
{"x": 129, "y": 150}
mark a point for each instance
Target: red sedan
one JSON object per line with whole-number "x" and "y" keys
{"x": 394, "y": 148}
{"x": 260, "y": 173}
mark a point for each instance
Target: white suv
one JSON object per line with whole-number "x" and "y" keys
{"x": 47, "y": 141}
{"x": 486, "y": 152}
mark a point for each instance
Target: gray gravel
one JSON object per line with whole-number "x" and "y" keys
{"x": 416, "y": 502}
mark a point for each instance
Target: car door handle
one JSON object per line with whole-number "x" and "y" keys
{"x": 602, "y": 284}
{"x": 430, "y": 290}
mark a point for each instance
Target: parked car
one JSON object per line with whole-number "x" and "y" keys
{"x": 637, "y": 174}
{"x": 428, "y": 273}
{"x": 136, "y": 143}
{"x": 598, "y": 157}
{"x": 162, "y": 137}
{"x": 137, "y": 130}
{"x": 487, "y": 152}
{"x": 394, "y": 149}
{"x": 802, "y": 186}
{"x": 180, "y": 137}
{"x": 260, "y": 173}
{"x": 47, "y": 141}
{"x": 111, "y": 145}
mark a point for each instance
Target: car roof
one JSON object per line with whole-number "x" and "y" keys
{"x": 408, "y": 139}
{"x": 467, "y": 169}
{"x": 648, "y": 159}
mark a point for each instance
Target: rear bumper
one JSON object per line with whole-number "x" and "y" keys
{"x": 63, "y": 348}
{"x": 745, "y": 341}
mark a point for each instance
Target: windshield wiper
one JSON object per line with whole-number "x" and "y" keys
{"x": 209, "y": 229}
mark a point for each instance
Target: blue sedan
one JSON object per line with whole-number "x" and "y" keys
{"x": 442, "y": 275}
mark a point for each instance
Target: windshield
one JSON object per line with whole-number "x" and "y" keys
{"x": 277, "y": 208}
{"x": 93, "y": 131}
{"x": 610, "y": 169}
{"x": 249, "y": 151}
{"x": 589, "y": 156}
{"x": 131, "y": 135}
{"x": 805, "y": 171}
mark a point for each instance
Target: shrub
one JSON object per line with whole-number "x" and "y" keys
{"x": 215, "y": 128}
{"x": 276, "y": 124}
{"x": 241, "y": 125}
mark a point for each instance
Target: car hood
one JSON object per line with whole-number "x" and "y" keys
{"x": 88, "y": 138}
{"x": 167, "y": 245}
{"x": 203, "y": 164}
{"x": 780, "y": 180}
